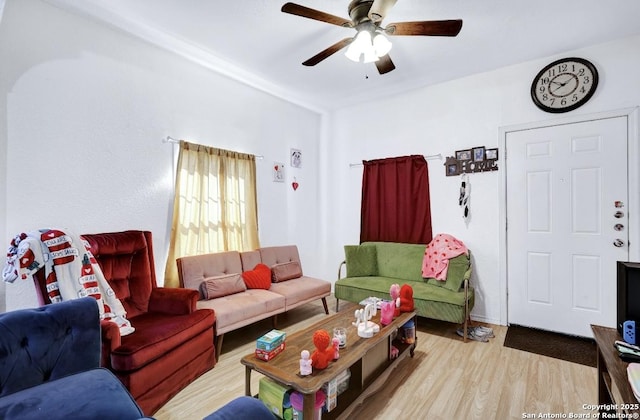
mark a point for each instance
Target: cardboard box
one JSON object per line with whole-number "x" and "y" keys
{"x": 268, "y": 355}
{"x": 335, "y": 387}
{"x": 271, "y": 340}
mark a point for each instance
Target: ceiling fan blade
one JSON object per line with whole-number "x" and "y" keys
{"x": 298, "y": 10}
{"x": 379, "y": 9}
{"x": 384, "y": 64}
{"x": 427, "y": 27}
{"x": 328, "y": 52}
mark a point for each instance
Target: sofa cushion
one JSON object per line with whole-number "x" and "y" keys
{"x": 286, "y": 271}
{"x": 217, "y": 286}
{"x": 399, "y": 260}
{"x": 379, "y": 287}
{"x": 250, "y": 259}
{"x": 301, "y": 290}
{"x": 272, "y": 255}
{"x": 456, "y": 273}
{"x": 95, "y": 393}
{"x": 193, "y": 269}
{"x": 258, "y": 278}
{"x": 126, "y": 260}
{"x": 240, "y": 309}
{"x": 361, "y": 260}
{"x": 157, "y": 335}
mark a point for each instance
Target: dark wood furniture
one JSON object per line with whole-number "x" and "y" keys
{"x": 614, "y": 391}
{"x": 367, "y": 358}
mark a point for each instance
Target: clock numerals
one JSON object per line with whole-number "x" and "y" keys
{"x": 564, "y": 85}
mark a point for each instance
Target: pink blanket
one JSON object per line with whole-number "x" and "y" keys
{"x": 437, "y": 254}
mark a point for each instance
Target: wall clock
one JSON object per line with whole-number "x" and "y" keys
{"x": 564, "y": 85}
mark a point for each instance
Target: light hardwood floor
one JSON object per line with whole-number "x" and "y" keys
{"x": 447, "y": 379}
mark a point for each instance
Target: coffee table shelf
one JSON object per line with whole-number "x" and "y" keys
{"x": 367, "y": 358}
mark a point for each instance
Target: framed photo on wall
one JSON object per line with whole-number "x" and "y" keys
{"x": 452, "y": 166}
{"x": 478, "y": 154}
{"x": 491, "y": 154}
{"x": 278, "y": 172}
{"x": 463, "y": 154}
{"x": 296, "y": 158}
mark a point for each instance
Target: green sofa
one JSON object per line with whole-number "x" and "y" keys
{"x": 372, "y": 267}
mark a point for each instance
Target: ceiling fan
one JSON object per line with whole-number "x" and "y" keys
{"x": 369, "y": 43}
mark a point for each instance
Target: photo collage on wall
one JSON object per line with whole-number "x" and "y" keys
{"x": 475, "y": 159}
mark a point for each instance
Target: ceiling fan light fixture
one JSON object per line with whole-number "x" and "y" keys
{"x": 362, "y": 47}
{"x": 370, "y": 56}
{"x": 353, "y": 52}
{"x": 381, "y": 45}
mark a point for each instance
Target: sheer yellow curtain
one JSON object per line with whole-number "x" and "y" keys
{"x": 215, "y": 206}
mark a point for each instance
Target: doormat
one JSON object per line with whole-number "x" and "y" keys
{"x": 546, "y": 343}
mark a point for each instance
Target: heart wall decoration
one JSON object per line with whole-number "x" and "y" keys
{"x": 295, "y": 184}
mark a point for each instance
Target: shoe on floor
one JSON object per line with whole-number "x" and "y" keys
{"x": 477, "y": 333}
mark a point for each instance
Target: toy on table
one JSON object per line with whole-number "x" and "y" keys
{"x": 335, "y": 341}
{"x": 394, "y": 291}
{"x": 366, "y": 328}
{"x": 305, "y": 363}
{"x": 323, "y": 353}
{"x": 387, "y": 310}
{"x": 406, "y": 298}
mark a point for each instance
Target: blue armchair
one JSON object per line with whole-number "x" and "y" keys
{"x": 49, "y": 366}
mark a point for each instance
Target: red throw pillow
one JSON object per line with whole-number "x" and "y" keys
{"x": 258, "y": 278}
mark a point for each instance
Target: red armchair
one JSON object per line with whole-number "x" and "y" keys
{"x": 173, "y": 341}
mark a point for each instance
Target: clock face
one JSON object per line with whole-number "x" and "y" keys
{"x": 564, "y": 85}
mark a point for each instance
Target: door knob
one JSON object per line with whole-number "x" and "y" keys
{"x": 618, "y": 243}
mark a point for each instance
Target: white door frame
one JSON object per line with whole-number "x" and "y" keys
{"x": 633, "y": 161}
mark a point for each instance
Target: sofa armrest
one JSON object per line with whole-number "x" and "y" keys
{"x": 111, "y": 340}
{"x": 174, "y": 301}
{"x": 343, "y": 263}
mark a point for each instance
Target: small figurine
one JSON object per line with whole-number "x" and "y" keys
{"x": 336, "y": 348}
{"x": 406, "y": 298}
{"x": 305, "y": 363}
{"x": 366, "y": 328}
{"x": 394, "y": 353}
{"x": 323, "y": 353}
{"x": 394, "y": 291}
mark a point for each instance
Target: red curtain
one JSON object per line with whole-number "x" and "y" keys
{"x": 395, "y": 200}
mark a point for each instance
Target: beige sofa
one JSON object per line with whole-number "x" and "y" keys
{"x": 235, "y": 306}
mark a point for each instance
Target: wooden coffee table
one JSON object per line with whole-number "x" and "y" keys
{"x": 367, "y": 358}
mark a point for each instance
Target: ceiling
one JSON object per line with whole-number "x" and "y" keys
{"x": 254, "y": 42}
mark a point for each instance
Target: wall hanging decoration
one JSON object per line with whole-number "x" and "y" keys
{"x": 278, "y": 172}
{"x": 295, "y": 184}
{"x": 476, "y": 159}
{"x": 465, "y": 195}
{"x": 296, "y": 158}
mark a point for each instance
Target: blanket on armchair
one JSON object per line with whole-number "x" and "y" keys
{"x": 71, "y": 271}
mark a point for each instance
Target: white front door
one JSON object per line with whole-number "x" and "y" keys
{"x": 567, "y": 205}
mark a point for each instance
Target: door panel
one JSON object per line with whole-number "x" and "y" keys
{"x": 562, "y": 183}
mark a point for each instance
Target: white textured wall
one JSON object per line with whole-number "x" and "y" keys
{"x": 87, "y": 108}
{"x": 453, "y": 116}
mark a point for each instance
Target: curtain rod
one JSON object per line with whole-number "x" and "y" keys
{"x": 170, "y": 139}
{"x": 427, "y": 157}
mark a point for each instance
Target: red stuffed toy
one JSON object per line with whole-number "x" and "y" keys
{"x": 406, "y": 298}
{"x": 323, "y": 353}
